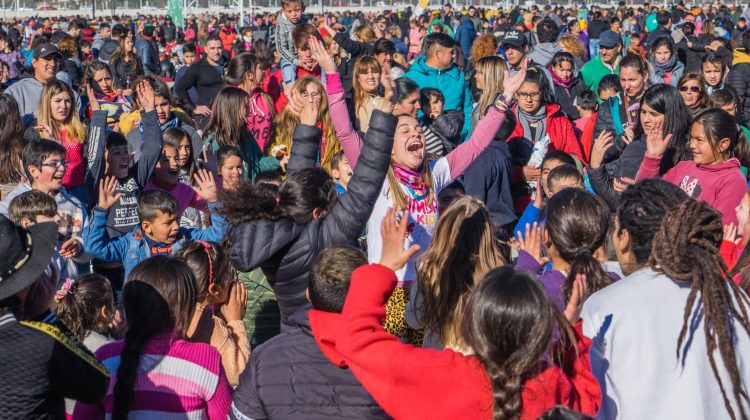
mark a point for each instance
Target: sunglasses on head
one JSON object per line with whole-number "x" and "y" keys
{"x": 694, "y": 89}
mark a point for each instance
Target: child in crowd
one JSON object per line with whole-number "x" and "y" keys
{"x": 98, "y": 80}
{"x": 87, "y": 307}
{"x": 220, "y": 306}
{"x": 231, "y": 167}
{"x": 575, "y": 228}
{"x": 525, "y": 361}
{"x": 168, "y": 171}
{"x": 86, "y": 53}
{"x": 315, "y": 372}
{"x": 442, "y": 129}
{"x": 588, "y": 107}
{"x": 713, "y": 175}
{"x": 290, "y": 18}
{"x": 463, "y": 249}
{"x": 44, "y": 165}
{"x": 155, "y": 372}
{"x": 341, "y": 171}
{"x": 159, "y": 231}
{"x": 552, "y": 160}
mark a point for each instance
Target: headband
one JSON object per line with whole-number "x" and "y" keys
{"x": 207, "y": 248}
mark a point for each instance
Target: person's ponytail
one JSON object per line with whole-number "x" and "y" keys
{"x": 583, "y": 262}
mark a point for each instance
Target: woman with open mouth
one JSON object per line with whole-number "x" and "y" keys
{"x": 412, "y": 182}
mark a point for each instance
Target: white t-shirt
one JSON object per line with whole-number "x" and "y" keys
{"x": 422, "y": 219}
{"x": 634, "y": 325}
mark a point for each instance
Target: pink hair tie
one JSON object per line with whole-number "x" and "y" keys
{"x": 207, "y": 247}
{"x": 67, "y": 288}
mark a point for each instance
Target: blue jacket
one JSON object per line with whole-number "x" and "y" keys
{"x": 132, "y": 248}
{"x": 465, "y": 35}
{"x": 451, "y": 82}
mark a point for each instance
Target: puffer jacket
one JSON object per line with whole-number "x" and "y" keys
{"x": 739, "y": 79}
{"x": 625, "y": 166}
{"x": 303, "y": 362}
{"x": 611, "y": 117}
{"x": 285, "y": 250}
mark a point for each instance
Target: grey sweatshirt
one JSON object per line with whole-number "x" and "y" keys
{"x": 284, "y": 41}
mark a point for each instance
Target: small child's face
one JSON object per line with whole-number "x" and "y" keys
{"x": 163, "y": 228}
{"x": 167, "y": 170}
{"x": 548, "y": 166}
{"x": 292, "y": 12}
{"x": 49, "y": 176}
{"x": 435, "y": 108}
{"x": 183, "y": 153}
{"x": 86, "y": 49}
{"x": 343, "y": 172}
{"x": 117, "y": 161}
{"x": 231, "y": 172}
{"x": 731, "y": 109}
{"x": 188, "y": 58}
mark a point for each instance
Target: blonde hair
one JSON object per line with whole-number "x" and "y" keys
{"x": 286, "y": 121}
{"x": 462, "y": 251}
{"x": 493, "y": 70}
{"x": 573, "y": 45}
{"x": 72, "y": 124}
{"x": 393, "y": 31}
{"x": 363, "y": 64}
{"x": 365, "y": 33}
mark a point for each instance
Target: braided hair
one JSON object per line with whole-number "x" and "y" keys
{"x": 159, "y": 297}
{"x": 686, "y": 248}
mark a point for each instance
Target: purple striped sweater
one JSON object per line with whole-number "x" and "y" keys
{"x": 176, "y": 379}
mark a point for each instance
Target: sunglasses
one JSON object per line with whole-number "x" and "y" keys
{"x": 694, "y": 89}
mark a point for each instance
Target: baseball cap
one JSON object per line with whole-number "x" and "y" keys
{"x": 514, "y": 38}
{"x": 609, "y": 39}
{"x": 45, "y": 50}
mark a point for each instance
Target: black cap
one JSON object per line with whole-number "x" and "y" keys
{"x": 609, "y": 39}
{"x": 26, "y": 254}
{"x": 515, "y": 38}
{"x": 45, "y": 50}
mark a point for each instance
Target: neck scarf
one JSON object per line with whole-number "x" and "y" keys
{"x": 526, "y": 119}
{"x": 663, "y": 68}
{"x": 412, "y": 180}
{"x": 566, "y": 83}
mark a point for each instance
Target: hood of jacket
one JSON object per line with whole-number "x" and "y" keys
{"x": 543, "y": 52}
{"x": 740, "y": 56}
{"x": 258, "y": 242}
{"x": 730, "y": 165}
{"x": 325, "y": 328}
{"x": 420, "y": 66}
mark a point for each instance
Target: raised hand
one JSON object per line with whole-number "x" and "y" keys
{"x": 92, "y": 98}
{"x": 146, "y": 96}
{"x": 531, "y": 242}
{"x": 45, "y": 131}
{"x": 319, "y": 53}
{"x": 108, "y": 196}
{"x": 310, "y": 111}
{"x": 393, "y": 232}
{"x": 206, "y": 187}
{"x": 656, "y": 142}
{"x": 234, "y": 308}
{"x": 389, "y": 88}
{"x": 512, "y": 83}
{"x": 601, "y": 144}
{"x": 627, "y": 135}
{"x": 578, "y": 295}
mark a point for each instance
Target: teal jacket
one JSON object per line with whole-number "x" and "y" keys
{"x": 451, "y": 82}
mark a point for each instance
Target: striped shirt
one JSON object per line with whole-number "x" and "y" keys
{"x": 176, "y": 379}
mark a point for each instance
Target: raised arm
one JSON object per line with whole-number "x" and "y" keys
{"x": 354, "y": 48}
{"x": 306, "y": 137}
{"x": 97, "y": 140}
{"x": 152, "y": 135}
{"x": 347, "y": 135}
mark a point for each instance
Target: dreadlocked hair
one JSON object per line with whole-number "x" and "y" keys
{"x": 686, "y": 248}
{"x": 159, "y": 298}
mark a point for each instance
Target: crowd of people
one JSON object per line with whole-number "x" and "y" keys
{"x": 455, "y": 213}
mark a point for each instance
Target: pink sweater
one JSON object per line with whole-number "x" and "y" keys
{"x": 721, "y": 185}
{"x": 459, "y": 159}
{"x": 174, "y": 377}
{"x": 183, "y": 193}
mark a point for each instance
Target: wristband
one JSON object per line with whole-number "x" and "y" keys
{"x": 502, "y": 102}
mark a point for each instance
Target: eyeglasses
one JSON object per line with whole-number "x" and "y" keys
{"x": 527, "y": 95}
{"x": 55, "y": 164}
{"x": 694, "y": 89}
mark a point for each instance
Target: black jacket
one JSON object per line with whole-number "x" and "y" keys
{"x": 691, "y": 56}
{"x": 285, "y": 250}
{"x": 168, "y": 31}
{"x": 489, "y": 179}
{"x": 739, "y": 79}
{"x": 566, "y": 98}
{"x": 206, "y": 80}
{"x": 355, "y": 50}
{"x": 656, "y": 34}
{"x": 124, "y": 73}
{"x": 595, "y": 28}
{"x": 605, "y": 122}
{"x": 626, "y": 165}
{"x": 40, "y": 367}
{"x": 289, "y": 377}
{"x": 448, "y": 128}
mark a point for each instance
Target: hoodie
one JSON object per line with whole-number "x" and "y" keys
{"x": 543, "y": 52}
{"x": 721, "y": 185}
{"x": 450, "y": 82}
